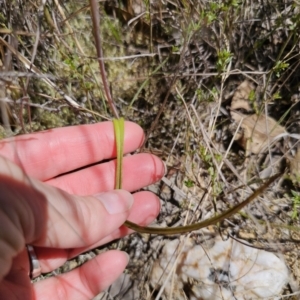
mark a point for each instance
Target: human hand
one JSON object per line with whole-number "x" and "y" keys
{"x": 38, "y": 206}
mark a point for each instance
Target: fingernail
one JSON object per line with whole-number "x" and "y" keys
{"x": 116, "y": 202}
{"x": 127, "y": 256}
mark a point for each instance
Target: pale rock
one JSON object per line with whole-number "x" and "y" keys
{"x": 219, "y": 270}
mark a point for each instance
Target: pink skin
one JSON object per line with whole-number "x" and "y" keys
{"x": 45, "y": 203}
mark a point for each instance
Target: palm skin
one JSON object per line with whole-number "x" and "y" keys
{"x": 48, "y": 185}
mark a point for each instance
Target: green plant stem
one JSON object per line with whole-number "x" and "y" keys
{"x": 119, "y": 136}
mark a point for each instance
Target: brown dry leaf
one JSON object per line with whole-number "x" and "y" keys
{"x": 295, "y": 163}
{"x": 241, "y": 96}
{"x": 258, "y": 131}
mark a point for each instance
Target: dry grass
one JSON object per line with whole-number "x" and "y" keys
{"x": 175, "y": 66}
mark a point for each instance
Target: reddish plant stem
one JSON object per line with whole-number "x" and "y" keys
{"x": 96, "y": 31}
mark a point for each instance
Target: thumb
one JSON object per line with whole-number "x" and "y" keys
{"x": 32, "y": 212}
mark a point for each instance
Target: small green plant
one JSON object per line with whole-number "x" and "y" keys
{"x": 218, "y": 157}
{"x": 209, "y": 96}
{"x": 252, "y": 101}
{"x": 211, "y": 169}
{"x": 72, "y": 62}
{"x": 234, "y": 3}
{"x": 251, "y": 96}
{"x": 189, "y": 183}
{"x": 280, "y": 67}
{"x": 193, "y": 26}
{"x": 175, "y": 49}
{"x": 204, "y": 155}
{"x": 276, "y": 96}
{"x": 224, "y": 58}
{"x": 200, "y": 95}
{"x": 214, "y": 94}
{"x": 212, "y": 11}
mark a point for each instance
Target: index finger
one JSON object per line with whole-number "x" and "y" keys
{"x": 47, "y": 154}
